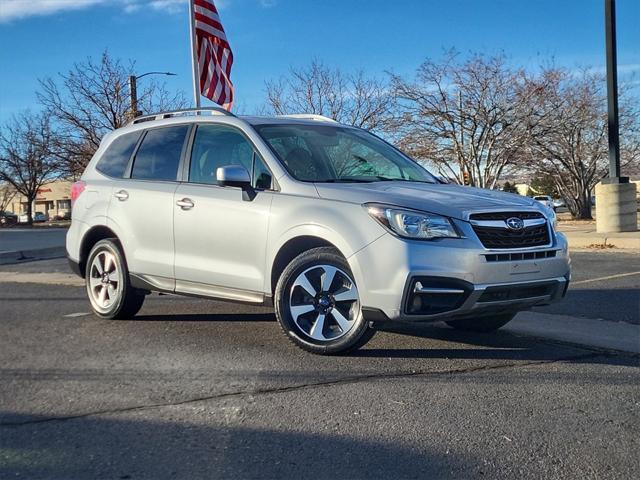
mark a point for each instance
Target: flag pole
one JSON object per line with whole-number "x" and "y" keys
{"x": 194, "y": 57}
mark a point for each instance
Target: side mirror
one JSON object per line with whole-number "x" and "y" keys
{"x": 233, "y": 176}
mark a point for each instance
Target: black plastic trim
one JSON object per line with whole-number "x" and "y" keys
{"x": 438, "y": 282}
{"x": 75, "y": 267}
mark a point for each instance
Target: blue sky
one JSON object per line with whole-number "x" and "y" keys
{"x": 268, "y": 36}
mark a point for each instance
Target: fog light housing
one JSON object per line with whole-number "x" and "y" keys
{"x": 432, "y": 295}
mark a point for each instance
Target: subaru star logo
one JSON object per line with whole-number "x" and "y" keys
{"x": 515, "y": 223}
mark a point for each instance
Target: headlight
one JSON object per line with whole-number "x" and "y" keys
{"x": 412, "y": 224}
{"x": 552, "y": 218}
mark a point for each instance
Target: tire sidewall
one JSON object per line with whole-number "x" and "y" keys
{"x": 301, "y": 263}
{"x": 123, "y": 277}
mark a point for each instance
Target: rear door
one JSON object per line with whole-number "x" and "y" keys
{"x": 142, "y": 205}
{"x": 220, "y": 240}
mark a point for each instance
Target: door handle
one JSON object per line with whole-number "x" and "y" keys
{"x": 121, "y": 195}
{"x": 185, "y": 204}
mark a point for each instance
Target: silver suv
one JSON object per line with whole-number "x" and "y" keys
{"x": 334, "y": 227}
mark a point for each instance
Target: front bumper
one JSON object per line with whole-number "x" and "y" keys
{"x": 476, "y": 281}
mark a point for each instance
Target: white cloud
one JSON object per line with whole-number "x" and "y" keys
{"x": 18, "y": 9}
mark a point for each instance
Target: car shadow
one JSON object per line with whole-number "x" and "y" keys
{"x": 209, "y": 445}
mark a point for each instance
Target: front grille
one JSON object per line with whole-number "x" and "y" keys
{"x": 505, "y": 215}
{"x": 511, "y": 257}
{"x": 499, "y": 237}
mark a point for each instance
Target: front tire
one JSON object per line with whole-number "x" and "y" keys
{"x": 107, "y": 280}
{"x": 318, "y": 305}
{"x": 482, "y": 325}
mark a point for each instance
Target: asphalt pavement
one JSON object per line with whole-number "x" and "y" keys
{"x": 194, "y": 388}
{"x": 17, "y": 239}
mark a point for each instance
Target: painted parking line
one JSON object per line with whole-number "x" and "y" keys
{"x": 608, "y": 277}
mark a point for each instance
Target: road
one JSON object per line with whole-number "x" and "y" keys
{"x": 200, "y": 389}
{"x": 12, "y": 239}
{"x": 605, "y": 285}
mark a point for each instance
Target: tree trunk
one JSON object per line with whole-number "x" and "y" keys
{"x": 583, "y": 206}
{"x": 30, "y": 210}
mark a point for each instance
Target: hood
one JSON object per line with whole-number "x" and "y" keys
{"x": 450, "y": 200}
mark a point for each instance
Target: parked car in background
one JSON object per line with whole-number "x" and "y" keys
{"x": 334, "y": 227}
{"x": 558, "y": 203}
{"x": 40, "y": 217}
{"x": 546, "y": 200}
{"x": 8, "y": 218}
{"x": 62, "y": 217}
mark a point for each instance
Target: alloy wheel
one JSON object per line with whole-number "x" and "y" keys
{"x": 324, "y": 302}
{"x": 104, "y": 280}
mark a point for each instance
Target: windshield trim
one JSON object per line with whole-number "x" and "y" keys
{"x": 259, "y": 127}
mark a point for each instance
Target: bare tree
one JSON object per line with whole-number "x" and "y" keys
{"x": 93, "y": 99}
{"x": 7, "y": 193}
{"x": 568, "y": 132}
{"x": 27, "y": 159}
{"x": 352, "y": 99}
{"x": 464, "y": 116}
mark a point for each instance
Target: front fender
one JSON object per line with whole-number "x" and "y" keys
{"x": 347, "y": 226}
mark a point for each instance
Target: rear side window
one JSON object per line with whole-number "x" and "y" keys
{"x": 115, "y": 159}
{"x": 159, "y": 154}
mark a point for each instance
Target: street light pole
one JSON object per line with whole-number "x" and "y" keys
{"x": 133, "y": 90}
{"x": 615, "y": 196}
{"x": 612, "y": 93}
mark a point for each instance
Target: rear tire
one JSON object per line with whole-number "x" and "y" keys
{"x": 318, "y": 305}
{"x": 107, "y": 281}
{"x": 483, "y": 324}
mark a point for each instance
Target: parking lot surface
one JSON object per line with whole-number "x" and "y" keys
{"x": 202, "y": 389}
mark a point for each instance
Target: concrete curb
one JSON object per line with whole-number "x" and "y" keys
{"x": 583, "y": 241}
{"x": 7, "y": 258}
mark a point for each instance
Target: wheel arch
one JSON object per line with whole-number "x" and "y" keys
{"x": 290, "y": 250}
{"x": 90, "y": 238}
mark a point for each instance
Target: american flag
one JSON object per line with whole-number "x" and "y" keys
{"x": 213, "y": 54}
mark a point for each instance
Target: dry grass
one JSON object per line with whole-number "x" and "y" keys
{"x": 601, "y": 246}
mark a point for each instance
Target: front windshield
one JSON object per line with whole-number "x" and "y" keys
{"x": 321, "y": 153}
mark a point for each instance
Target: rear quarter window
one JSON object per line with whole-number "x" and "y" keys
{"x": 115, "y": 159}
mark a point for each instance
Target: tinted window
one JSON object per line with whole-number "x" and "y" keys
{"x": 159, "y": 155}
{"x": 115, "y": 159}
{"x": 217, "y": 146}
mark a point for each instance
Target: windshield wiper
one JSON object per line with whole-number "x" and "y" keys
{"x": 387, "y": 179}
{"x": 345, "y": 180}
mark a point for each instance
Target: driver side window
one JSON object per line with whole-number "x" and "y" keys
{"x": 217, "y": 146}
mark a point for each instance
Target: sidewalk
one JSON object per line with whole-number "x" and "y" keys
{"x": 583, "y": 235}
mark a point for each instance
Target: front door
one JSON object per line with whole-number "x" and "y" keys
{"x": 220, "y": 233}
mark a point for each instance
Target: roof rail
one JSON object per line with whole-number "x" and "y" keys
{"x": 309, "y": 116}
{"x": 182, "y": 113}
